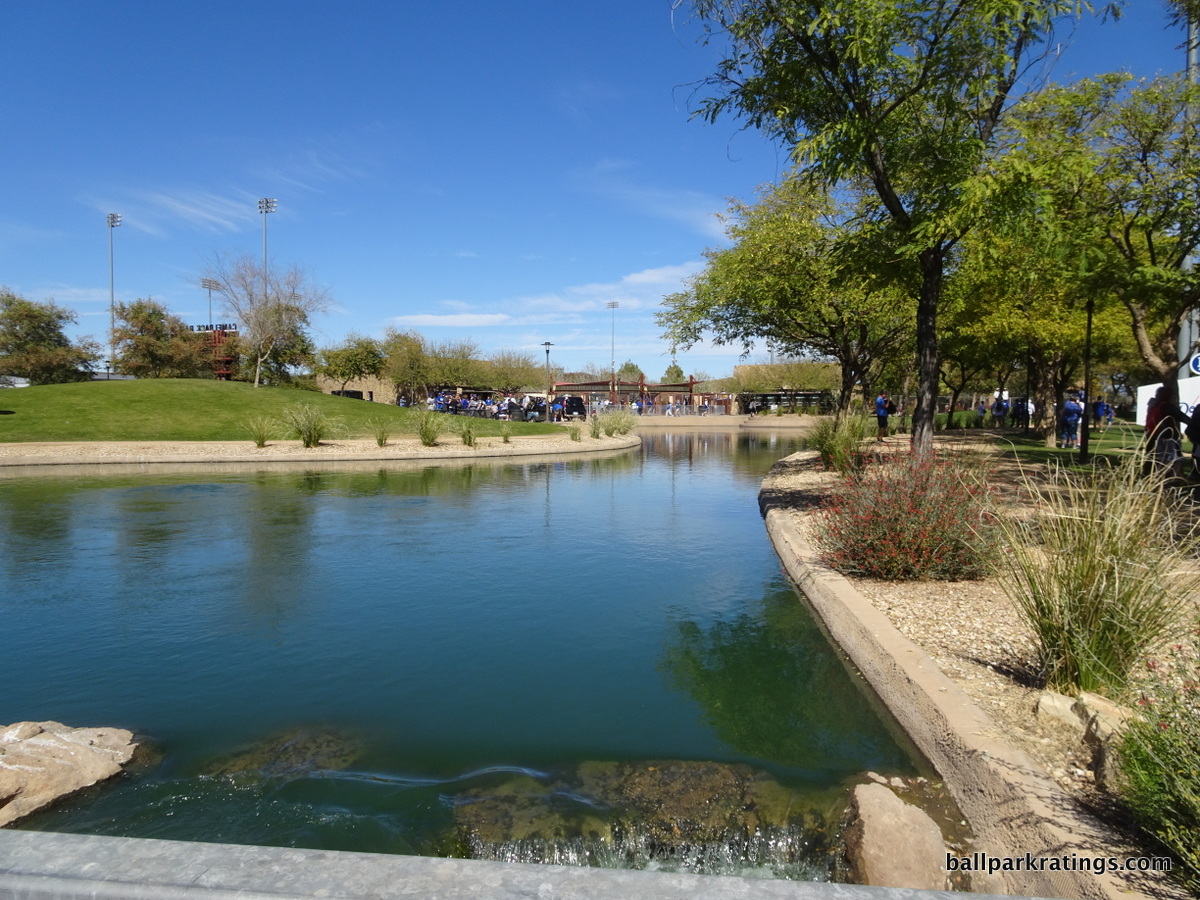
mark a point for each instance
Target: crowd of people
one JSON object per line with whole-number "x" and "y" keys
{"x": 531, "y": 407}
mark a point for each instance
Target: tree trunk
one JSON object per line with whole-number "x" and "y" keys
{"x": 932, "y": 262}
{"x": 847, "y": 391}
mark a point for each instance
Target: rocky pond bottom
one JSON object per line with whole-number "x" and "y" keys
{"x": 697, "y": 816}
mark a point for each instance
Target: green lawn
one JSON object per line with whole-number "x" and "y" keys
{"x": 184, "y": 410}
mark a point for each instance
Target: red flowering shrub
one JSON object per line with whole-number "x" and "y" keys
{"x": 1160, "y": 759}
{"x": 907, "y": 519}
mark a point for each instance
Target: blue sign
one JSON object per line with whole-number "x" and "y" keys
{"x": 1194, "y": 364}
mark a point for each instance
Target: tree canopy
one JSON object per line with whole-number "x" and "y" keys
{"x": 150, "y": 342}
{"x": 787, "y": 279}
{"x": 905, "y": 96}
{"x": 356, "y": 357}
{"x": 1113, "y": 164}
{"x": 34, "y": 344}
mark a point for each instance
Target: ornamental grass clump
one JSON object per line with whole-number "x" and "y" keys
{"x": 381, "y": 429}
{"x": 262, "y": 429}
{"x": 908, "y": 519}
{"x": 839, "y": 440}
{"x": 467, "y": 431}
{"x": 1160, "y": 759}
{"x": 429, "y": 427}
{"x": 1100, "y": 572}
{"x": 618, "y": 421}
{"x": 308, "y": 424}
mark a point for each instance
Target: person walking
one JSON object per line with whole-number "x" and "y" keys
{"x": 1072, "y": 413}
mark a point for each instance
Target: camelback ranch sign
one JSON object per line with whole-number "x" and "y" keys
{"x": 224, "y": 326}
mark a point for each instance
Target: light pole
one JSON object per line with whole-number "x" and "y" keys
{"x": 210, "y": 285}
{"x": 265, "y": 205}
{"x": 114, "y": 221}
{"x": 612, "y": 387}
{"x": 549, "y": 382}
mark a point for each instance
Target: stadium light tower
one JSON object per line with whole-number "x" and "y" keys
{"x": 549, "y": 381}
{"x": 614, "y": 306}
{"x": 114, "y": 221}
{"x": 210, "y": 285}
{"x": 266, "y": 205}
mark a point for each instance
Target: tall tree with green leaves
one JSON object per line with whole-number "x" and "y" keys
{"x": 674, "y": 374}
{"x": 356, "y": 357}
{"x": 151, "y": 342}
{"x": 406, "y": 364}
{"x": 792, "y": 277}
{"x": 1115, "y": 164}
{"x": 34, "y": 343}
{"x": 630, "y": 371}
{"x": 905, "y": 95}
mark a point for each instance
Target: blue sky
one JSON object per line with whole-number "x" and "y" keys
{"x": 496, "y": 172}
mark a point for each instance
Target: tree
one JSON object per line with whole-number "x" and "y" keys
{"x": 906, "y": 96}
{"x": 356, "y": 357}
{"x": 34, "y": 345}
{"x": 792, "y": 278}
{"x": 455, "y": 364}
{"x": 674, "y": 374}
{"x": 272, "y": 307}
{"x": 406, "y": 364}
{"x": 511, "y": 370}
{"x": 1116, "y": 165}
{"x": 152, "y": 343}
{"x": 630, "y": 371}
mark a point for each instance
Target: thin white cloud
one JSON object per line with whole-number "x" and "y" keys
{"x": 454, "y": 320}
{"x": 309, "y": 169}
{"x": 612, "y": 178}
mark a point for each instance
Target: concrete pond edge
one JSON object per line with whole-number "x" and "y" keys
{"x": 1012, "y": 806}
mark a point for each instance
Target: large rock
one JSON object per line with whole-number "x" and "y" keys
{"x": 293, "y": 754}
{"x": 41, "y": 762}
{"x": 891, "y": 843}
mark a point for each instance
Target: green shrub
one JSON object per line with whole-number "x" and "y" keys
{"x": 308, "y": 424}
{"x": 617, "y": 421}
{"x": 1160, "y": 760}
{"x": 430, "y": 425}
{"x": 467, "y": 431}
{"x": 1096, "y": 573}
{"x": 594, "y": 427}
{"x": 906, "y": 519}
{"x": 262, "y": 429}
{"x": 575, "y": 433}
{"x": 506, "y": 431}
{"x": 381, "y": 429}
{"x": 839, "y": 441}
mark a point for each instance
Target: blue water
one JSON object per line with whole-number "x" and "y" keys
{"x": 453, "y": 620}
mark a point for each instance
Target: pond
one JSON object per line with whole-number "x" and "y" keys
{"x": 542, "y": 661}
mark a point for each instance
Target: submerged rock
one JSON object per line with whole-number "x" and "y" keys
{"x": 702, "y": 816}
{"x": 293, "y": 754}
{"x": 41, "y": 762}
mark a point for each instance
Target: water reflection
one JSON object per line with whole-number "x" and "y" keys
{"x": 460, "y": 618}
{"x": 772, "y": 690}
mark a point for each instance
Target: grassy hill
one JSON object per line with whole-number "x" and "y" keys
{"x": 182, "y": 410}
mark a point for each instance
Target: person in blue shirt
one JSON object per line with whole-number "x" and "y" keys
{"x": 881, "y": 414}
{"x": 1071, "y": 414}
